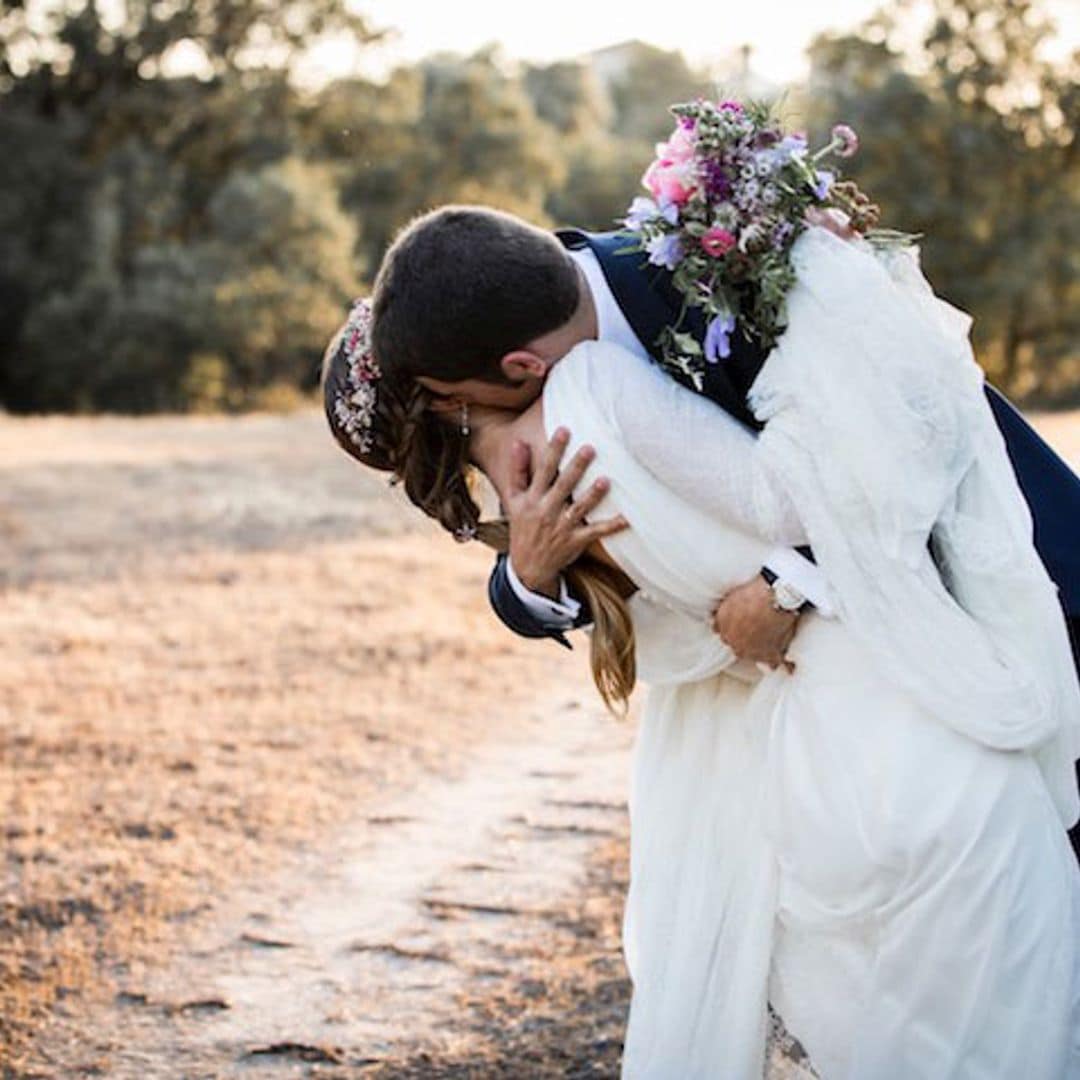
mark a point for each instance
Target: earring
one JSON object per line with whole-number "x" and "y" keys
{"x": 465, "y": 429}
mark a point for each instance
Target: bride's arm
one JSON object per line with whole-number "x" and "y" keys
{"x": 693, "y": 447}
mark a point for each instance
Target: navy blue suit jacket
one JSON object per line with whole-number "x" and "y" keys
{"x": 650, "y": 302}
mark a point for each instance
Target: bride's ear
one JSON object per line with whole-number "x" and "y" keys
{"x": 521, "y": 364}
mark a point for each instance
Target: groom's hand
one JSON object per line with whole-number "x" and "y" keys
{"x": 747, "y": 621}
{"x": 836, "y": 221}
{"x": 548, "y": 531}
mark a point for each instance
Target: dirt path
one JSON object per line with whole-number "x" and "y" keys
{"x": 362, "y": 950}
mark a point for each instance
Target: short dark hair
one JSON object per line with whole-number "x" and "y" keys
{"x": 462, "y": 286}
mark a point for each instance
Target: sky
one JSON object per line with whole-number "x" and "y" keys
{"x": 777, "y": 30}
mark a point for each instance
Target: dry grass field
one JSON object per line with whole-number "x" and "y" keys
{"x": 218, "y": 642}
{"x": 279, "y": 796}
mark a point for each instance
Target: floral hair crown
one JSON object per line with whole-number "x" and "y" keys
{"x": 354, "y": 406}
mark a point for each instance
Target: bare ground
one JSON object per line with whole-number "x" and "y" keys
{"x": 280, "y": 798}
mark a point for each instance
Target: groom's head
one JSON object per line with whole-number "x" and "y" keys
{"x": 478, "y": 304}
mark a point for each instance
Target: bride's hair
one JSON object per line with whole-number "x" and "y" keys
{"x": 430, "y": 458}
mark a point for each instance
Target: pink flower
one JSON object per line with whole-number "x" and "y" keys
{"x": 717, "y": 242}
{"x": 732, "y": 106}
{"x": 671, "y": 181}
{"x": 681, "y": 147}
{"x": 672, "y": 177}
{"x": 845, "y": 140}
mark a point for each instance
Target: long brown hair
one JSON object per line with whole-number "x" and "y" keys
{"x": 431, "y": 460}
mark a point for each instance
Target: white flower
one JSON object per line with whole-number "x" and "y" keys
{"x": 354, "y": 407}
{"x": 753, "y": 234}
{"x": 746, "y": 194}
{"x": 725, "y": 216}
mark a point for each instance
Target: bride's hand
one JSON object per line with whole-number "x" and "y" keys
{"x": 836, "y": 221}
{"x": 548, "y": 530}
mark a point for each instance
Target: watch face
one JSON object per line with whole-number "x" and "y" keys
{"x": 787, "y": 598}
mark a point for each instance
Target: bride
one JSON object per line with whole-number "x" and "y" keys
{"x": 873, "y": 842}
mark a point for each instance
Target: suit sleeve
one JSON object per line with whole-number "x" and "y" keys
{"x": 515, "y": 615}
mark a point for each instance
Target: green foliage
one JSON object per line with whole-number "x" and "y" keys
{"x": 972, "y": 141}
{"x": 189, "y": 242}
{"x": 449, "y": 130}
{"x": 642, "y": 78}
{"x": 150, "y": 223}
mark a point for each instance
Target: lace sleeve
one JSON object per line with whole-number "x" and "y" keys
{"x": 692, "y": 446}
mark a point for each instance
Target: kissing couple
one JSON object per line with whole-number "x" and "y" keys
{"x": 854, "y": 770}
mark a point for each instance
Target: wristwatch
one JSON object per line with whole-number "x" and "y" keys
{"x": 785, "y": 597}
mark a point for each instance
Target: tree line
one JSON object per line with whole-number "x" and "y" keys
{"x": 189, "y": 243}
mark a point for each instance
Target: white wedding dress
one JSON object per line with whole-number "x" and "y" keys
{"x": 899, "y": 887}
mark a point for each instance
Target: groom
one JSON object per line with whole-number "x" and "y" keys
{"x": 478, "y": 306}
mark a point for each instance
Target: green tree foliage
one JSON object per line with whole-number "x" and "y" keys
{"x": 594, "y": 108}
{"x": 640, "y": 76}
{"x": 186, "y": 237}
{"x": 447, "y": 130}
{"x": 150, "y": 221}
{"x": 971, "y": 140}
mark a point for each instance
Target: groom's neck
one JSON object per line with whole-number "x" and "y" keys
{"x": 583, "y": 325}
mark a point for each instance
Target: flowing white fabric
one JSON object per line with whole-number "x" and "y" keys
{"x": 878, "y": 426}
{"x": 903, "y": 893}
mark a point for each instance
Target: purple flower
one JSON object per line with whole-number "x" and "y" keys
{"x": 718, "y": 338}
{"x": 669, "y": 210}
{"x": 717, "y": 181}
{"x": 731, "y": 106}
{"x": 823, "y": 182}
{"x": 792, "y": 146}
{"x": 641, "y": 211}
{"x": 665, "y": 251}
{"x": 781, "y": 234}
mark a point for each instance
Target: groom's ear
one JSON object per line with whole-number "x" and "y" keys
{"x": 521, "y": 364}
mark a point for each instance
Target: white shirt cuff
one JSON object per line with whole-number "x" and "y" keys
{"x": 559, "y": 613}
{"x": 800, "y": 573}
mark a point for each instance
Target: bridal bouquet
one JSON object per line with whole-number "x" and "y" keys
{"x": 730, "y": 192}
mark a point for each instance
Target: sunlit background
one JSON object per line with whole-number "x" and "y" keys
{"x": 777, "y": 31}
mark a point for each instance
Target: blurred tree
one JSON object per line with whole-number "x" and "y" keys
{"x": 78, "y": 48}
{"x": 449, "y": 130}
{"x": 643, "y": 81}
{"x": 258, "y": 293}
{"x": 44, "y": 225}
{"x": 570, "y": 97}
{"x": 179, "y": 218}
{"x": 972, "y": 141}
{"x": 280, "y": 262}
{"x": 110, "y": 175}
{"x": 604, "y": 174}
{"x": 602, "y": 167}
